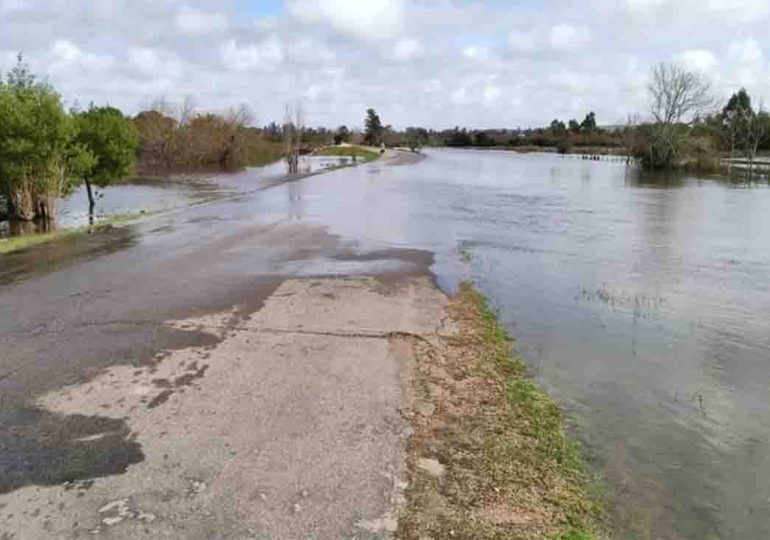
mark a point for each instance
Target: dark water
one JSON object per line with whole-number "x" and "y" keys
{"x": 642, "y": 305}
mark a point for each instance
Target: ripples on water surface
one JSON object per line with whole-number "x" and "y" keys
{"x": 642, "y": 306}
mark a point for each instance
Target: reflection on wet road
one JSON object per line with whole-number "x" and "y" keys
{"x": 641, "y": 305}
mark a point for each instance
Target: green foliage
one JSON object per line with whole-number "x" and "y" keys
{"x": 342, "y": 135}
{"x": 36, "y": 155}
{"x": 111, "y": 139}
{"x": 558, "y": 128}
{"x": 18, "y": 243}
{"x": 589, "y": 123}
{"x": 738, "y": 102}
{"x": 416, "y": 138}
{"x": 481, "y": 138}
{"x": 349, "y": 151}
{"x": 459, "y": 137}
{"x": 373, "y": 128}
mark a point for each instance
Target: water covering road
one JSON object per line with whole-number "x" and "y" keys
{"x": 641, "y": 305}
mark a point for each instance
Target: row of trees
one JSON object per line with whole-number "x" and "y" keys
{"x": 47, "y": 151}
{"x": 588, "y": 125}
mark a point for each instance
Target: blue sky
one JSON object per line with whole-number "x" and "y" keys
{"x": 259, "y": 8}
{"x": 439, "y": 63}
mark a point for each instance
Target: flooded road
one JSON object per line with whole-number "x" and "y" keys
{"x": 640, "y": 305}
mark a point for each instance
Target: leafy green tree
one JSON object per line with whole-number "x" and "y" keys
{"x": 36, "y": 155}
{"x": 373, "y": 128}
{"x": 416, "y": 138}
{"x": 459, "y": 137}
{"x": 112, "y": 141}
{"x": 589, "y": 123}
{"x": 342, "y": 135}
{"x": 482, "y": 138}
{"x": 574, "y": 126}
{"x": 558, "y": 127}
{"x": 739, "y": 101}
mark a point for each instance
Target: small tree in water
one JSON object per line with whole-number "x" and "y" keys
{"x": 292, "y": 137}
{"x": 111, "y": 139}
{"x": 678, "y": 97}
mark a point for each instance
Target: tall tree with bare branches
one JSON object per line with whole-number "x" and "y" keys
{"x": 678, "y": 97}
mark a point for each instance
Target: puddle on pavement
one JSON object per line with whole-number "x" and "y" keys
{"x": 38, "y": 447}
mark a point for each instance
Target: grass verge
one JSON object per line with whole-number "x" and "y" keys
{"x": 349, "y": 151}
{"x": 17, "y": 243}
{"x": 509, "y": 469}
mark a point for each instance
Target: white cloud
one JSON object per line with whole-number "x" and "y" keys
{"x": 369, "y": 20}
{"x": 66, "y": 51}
{"x": 523, "y": 41}
{"x": 9, "y": 6}
{"x": 266, "y": 55}
{"x": 492, "y": 91}
{"x": 407, "y": 49}
{"x": 698, "y": 60}
{"x": 67, "y": 55}
{"x": 696, "y": 12}
{"x": 746, "y": 51}
{"x": 149, "y": 62}
{"x": 191, "y": 21}
{"x": 475, "y": 52}
{"x": 738, "y": 11}
{"x": 644, "y": 6}
{"x": 568, "y": 37}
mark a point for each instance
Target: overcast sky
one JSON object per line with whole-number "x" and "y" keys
{"x": 493, "y": 63}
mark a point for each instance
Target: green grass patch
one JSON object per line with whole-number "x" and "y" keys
{"x": 349, "y": 151}
{"x": 18, "y": 243}
{"x": 262, "y": 152}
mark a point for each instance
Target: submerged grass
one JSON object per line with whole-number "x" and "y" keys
{"x": 18, "y": 243}
{"x": 511, "y": 472}
{"x": 349, "y": 151}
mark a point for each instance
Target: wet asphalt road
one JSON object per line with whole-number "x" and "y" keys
{"x": 70, "y": 310}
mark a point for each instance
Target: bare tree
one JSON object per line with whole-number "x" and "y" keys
{"x": 292, "y": 136}
{"x": 629, "y": 136}
{"x": 186, "y": 111}
{"x": 678, "y": 97}
{"x": 240, "y": 117}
